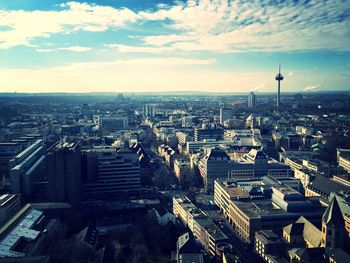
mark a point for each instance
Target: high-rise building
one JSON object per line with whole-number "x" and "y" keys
{"x": 27, "y": 168}
{"x": 251, "y": 100}
{"x": 111, "y": 172}
{"x": 149, "y": 110}
{"x": 8, "y": 150}
{"x": 64, "y": 172}
{"x": 225, "y": 114}
{"x": 279, "y": 78}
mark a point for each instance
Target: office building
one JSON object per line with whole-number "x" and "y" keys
{"x": 251, "y": 100}
{"x": 252, "y": 122}
{"x": 202, "y": 227}
{"x": 149, "y": 110}
{"x": 9, "y": 205}
{"x": 255, "y": 164}
{"x": 285, "y": 206}
{"x": 64, "y": 172}
{"x": 27, "y": 168}
{"x": 211, "y": 132}
{"x": 187, "y": 122}
{"x": 111, "y": 123}
{"x": 8, "y": 150}
{"x": 226, "y": 190}
{"x": 225, "y": 114}
{"x": 268, "y": 244}
{"x": 27, "y": 234}
{"x": 110, "y": 172}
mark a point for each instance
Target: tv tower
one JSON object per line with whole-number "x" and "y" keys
{"x": 279, "y": 78}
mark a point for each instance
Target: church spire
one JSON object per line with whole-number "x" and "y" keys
{"x": 333, "y": 214}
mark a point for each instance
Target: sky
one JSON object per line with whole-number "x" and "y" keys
{"x": 148, "y": 45}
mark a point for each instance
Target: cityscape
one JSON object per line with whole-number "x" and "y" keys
{"x": 174, "y": 131}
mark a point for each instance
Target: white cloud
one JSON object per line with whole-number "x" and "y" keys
{"x": 26, "y": 25}
{"x": 72, "y": 48}
{"x": 213, "y": 25}
{"x": 290, "y": 74}
{"x": 152, "y": 62}
{"x": 76, "y": 49}
{"x": 310, "y": 88}
{"x": 259, "y": 87}
{"x": 139, "y": 49}
{"x": 255, "y": 26}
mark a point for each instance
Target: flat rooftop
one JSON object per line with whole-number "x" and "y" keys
{"x": 260, "y": 208}
{"x": 20, "y": 227}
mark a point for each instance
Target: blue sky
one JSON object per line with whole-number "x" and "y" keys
{"x": 209, "y": 45}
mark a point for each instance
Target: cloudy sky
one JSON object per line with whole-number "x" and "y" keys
{"x": 148, "y": 45}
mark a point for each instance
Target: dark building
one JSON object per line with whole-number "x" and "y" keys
{"x": 27, "y": 168}
{"x": 110, "y": 172}
{"x": 208, "y": 133}
{"x": 64, "y": 173}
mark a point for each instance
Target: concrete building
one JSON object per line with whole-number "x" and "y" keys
{"x": 186, "y": 122}
{"x": 324, "y": 186}
{"x": 343, "y": 158}
{"x": 285, "y": 207}
{"x": 10, "y": 204}
{"x": 149, "y": 110}
{"x": 64, "y": 173}
{"x": 236, "y": 144}
{"x": 112, "y": 123}
{"x": 225, "y": 114}
{"x": 182, "y": 170}
{"x": 298, "y": 160}
{"x": 27, "y": 168}
{"x": 202, "y": 227}
{"x": 255, "y": 164}
{"x": 251, "y": 100}
{"x": 183, "y": 137}
{"x": 8, "y": 150}
{"x": 212, "y": 132}
{"x": 267, "y": 244}
{"x": 110, "y": 172}
{"x": 27, "y": 234}
{"x": 226, "y": 190}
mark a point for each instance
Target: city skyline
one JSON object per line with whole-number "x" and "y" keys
{"x": 162, "y": 46}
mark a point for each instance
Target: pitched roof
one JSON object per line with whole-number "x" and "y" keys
{"x": 333, "y": 214}
{"x": 215, "y": 153}
{"x": 311, "y": 254}
{"x": 339, "y": 255}
{"x": 304, "y": 227}
{"x": 326, "y": 185}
